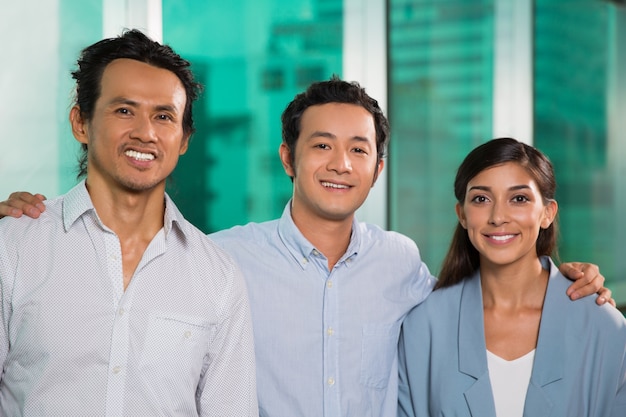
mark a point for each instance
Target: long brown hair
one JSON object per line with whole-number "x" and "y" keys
{"x": 462, "y": 259}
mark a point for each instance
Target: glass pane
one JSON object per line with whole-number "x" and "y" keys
{"x": 440, "y": 106}
{"x": 252, "y": 57}
{"x": 572, "y": 71}
{"x": 39, "y": 152}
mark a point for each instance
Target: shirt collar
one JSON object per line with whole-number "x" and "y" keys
{"x": 78, "y": 202}
{"x": 301, "y": 249}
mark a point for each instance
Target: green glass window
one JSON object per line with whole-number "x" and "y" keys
{"x": 253, "y": 58}
{"x": 576, "y": 96}
{"x": 440, "y": 107}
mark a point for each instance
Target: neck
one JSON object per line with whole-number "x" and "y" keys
{"x": 330, "y": 237}
{"x": 129, "y": 213}
{"x": 513, "y": 286}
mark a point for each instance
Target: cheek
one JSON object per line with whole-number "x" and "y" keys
{"x": 306, "y": 165}
{"x": 532, "y": 219}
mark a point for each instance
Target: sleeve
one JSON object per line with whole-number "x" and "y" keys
{"x": 5, "y": 305}
{"x": 619, "y": 407}
{"x": 405, "y": 405}
{"x": 422, "y": 281}
{"x": 228, "y": 384}
{"x": 416, "y": 355}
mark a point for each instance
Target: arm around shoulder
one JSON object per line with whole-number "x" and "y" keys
{"x": 22, "y": 203}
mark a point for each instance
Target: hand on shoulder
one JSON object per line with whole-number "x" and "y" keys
{"x": 23, "y": 203}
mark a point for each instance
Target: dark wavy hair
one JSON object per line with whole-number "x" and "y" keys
{"x": 462, "y": 259}
{"x": 131, "y": 44}
{"x": 334, "y": 90}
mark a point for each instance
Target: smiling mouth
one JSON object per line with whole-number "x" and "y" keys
{"x": 501, "y": 238}
{"x": 140, "y": 156}
{"x": 333, "y": 185}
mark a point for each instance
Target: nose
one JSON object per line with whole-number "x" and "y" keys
{"x": 340, "y": 161}
{"x": 143, "y": 129}
{"x": 498, "y": 215}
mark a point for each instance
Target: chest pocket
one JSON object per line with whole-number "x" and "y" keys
{"x": 176, "y": 345}
{"x": 380, "y": 345}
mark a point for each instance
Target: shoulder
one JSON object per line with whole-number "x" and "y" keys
{"x": 26, "y": 237}
{"x": 249, "y": 234}
{"x": 12, "y": 228}
{"x": 442, "y": 304}
{"x": 386, "y": 238}
{"x": 589, "y": 317}
{"x": 203, "y": 251}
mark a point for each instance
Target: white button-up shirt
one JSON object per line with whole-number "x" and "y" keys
{"x": 177, "y": 342}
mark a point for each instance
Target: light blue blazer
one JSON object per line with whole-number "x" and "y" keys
{"x": 579, "y": 367}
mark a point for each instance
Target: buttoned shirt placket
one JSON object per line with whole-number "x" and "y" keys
{"x": 331, "y": 331}
{"x": 122, "y": 305}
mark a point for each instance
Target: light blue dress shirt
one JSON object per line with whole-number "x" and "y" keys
{"x": 579, "y": 368}
{"x": 177, "y": 342}
{"x": 326, "y": 341}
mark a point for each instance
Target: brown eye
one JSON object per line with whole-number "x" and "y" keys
{"x": 479, "y": 199}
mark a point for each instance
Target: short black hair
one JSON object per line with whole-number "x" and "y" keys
{"x": 334, "y": 90}
{"x": 131, "y": 44}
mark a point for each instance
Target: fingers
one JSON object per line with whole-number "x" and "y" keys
{"x": 605, "y": 296}
{"x": 20, "y": 203}
{"x": 588, "y": 279}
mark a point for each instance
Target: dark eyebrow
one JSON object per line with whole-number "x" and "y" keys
{"x": 132, "y": 103}
{"x": 485, "y": 188}
{"x": 319, "y": 133}
{"x": 166, "y": 107}
{"x": 123, "y": 100}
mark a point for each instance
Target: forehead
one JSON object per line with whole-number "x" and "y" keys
{"x": 503, "y": 176}
{"x": 141, "y": 82}
{"x": 339, "y": 120}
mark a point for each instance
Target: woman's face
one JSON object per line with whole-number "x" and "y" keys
{"x": 503, "y": 212}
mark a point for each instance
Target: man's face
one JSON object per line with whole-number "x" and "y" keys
{"x": 334, "y": 165}
{"x": 135, "y": 135}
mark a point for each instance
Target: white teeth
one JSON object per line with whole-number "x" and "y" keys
{"x": 333, "y": 185}
{"x": 502, "y": 238}
{"x": 140, "y": 156}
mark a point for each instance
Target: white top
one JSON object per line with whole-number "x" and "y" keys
{"x": 177, "y": 342}
{"x": 509, "y": 383}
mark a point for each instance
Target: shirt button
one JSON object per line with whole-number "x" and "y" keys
{"x": 187, "y": 334}
{"x": 315, "y": 252}
{"x": 121, "y": 311}
{"x": 331, "y": 381}
{"x": 330, "y": 331}
{"x": 117, "y": 369}
{"x": 329, "y": 284}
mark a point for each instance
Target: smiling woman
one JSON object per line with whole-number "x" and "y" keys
{"x": 493, "y": 333}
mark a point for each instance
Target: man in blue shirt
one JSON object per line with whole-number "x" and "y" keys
{"x": 328, "y": 293}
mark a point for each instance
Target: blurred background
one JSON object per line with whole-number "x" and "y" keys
{"x": 450, "y": 75}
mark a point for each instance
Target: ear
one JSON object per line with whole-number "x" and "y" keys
{"x": 549, "y": 213}
{"x": 184, "y": 145}
{"x": 379, "y": 169}
{"x": 460, "y": 214}
{"x": 79, "y": 125}
{"x": 285, "y": 158}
